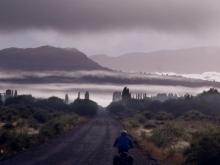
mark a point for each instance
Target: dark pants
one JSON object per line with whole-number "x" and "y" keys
{"x": 122, "y": 150}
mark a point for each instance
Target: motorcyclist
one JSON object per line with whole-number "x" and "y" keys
{"x": 123, "y": 142}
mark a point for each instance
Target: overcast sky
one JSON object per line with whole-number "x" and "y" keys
{"x": 111, "y": 27}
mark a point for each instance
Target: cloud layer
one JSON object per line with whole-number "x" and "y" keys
{"x": 111, "y": 27}
{"x": 96, "y": 15}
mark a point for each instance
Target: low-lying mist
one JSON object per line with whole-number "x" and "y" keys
{"x": 110, "y": 77}
{"x": 100, "y": 84}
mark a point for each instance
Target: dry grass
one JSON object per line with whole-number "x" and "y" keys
{"x": 171, "y": 154}
{"x": 165, "y": 156}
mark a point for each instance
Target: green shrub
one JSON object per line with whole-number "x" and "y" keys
{"x": 148, "y": 115}
{"x": 8, "y": 114}
{"x": 84, "y": 107}
{"x": 166, "y": 135}
{"x": 134, "y": 123}
{"x": 8, "y": 126}
{"x": 52, "y": 128}
{"x": 149, "y": 125}
{"x": 164, "y": 116}
{"x": 193, "y": 115}
{"x": 33, "y": 123}
{"x": 141, "y": 119}
{"x": 58, "y": 125}
{"x": 116, "y": 108}
{"x": 13, "y": 142}
{"x": 204, "y": 150}
{"x": 52, "y": 103}
{"x": 27, "y": 121}
{"x": 20, "y": 101}
{"x": 41, "y": 116}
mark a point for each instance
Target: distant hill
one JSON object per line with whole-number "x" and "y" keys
{"x": 192, "y": 60}
{"x": 46, "y": 58}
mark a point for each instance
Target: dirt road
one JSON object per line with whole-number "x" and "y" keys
{"x": 90, "y": 144}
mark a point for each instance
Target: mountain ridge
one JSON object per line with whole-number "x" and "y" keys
{"x": 46, "y": 58}
{"x": 197, "y": 60}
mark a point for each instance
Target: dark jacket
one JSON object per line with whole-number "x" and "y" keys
{"x": 123, "y": 143}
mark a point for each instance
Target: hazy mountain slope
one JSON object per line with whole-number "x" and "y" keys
{"x": 46, "y": 58}
{"x": 193, "y": 60}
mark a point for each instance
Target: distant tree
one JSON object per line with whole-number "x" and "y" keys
{"x": 1, "y": 103}
{"x": 22, "y": 100}
{"x": 211, "y": 91}
{"x": 67, "y": 99}
{"x": 16, "y": 93}
{"x": 187, "y": 96}
{"x": 52, "y": 103}
{"x": 84, "y": 107}
{"x": 87, "y": 95}
{"x": 207, "y": 103}
{"x": 126, "y": 94}
{"x": 116, "y": 108}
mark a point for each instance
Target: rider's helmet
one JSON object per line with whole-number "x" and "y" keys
{"x": 124, "y": 132}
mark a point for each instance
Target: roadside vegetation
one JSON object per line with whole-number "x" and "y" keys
{"x": 26, "y": 121}
{"x": 179, "y": 131}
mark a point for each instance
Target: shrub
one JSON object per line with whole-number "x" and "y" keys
{"x": 150, "y": 125}
{"x": 1, "y": 103}
{"x": 52, "y": 128}
{"x": 194, "y": 115}
{"x": 116, "y": 108}
{"x": 166, "y": 135}
{"x": 20, "y": 101}
{"x": 41, "y": 116}
{"x": 8, "y": 114}
{"x": 148, "y": 115}
{"x": 164, "y": 116}
{"x": 134, "y": 123}
{"x": 8, "y": 125}
{"x": 24, "y": 123}
{"x": 58, "y": 125}
{"x": 25, "y": 112}
{"x": 12, "y": 142}
{"x": 52, "y": 103}
{"x": 204, "y": 150}
{"x": 84, "y": 107}
{"x": 141, "y": 119}
{"x": 33, "y": 123}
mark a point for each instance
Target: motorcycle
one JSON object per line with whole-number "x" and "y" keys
{"x": 123, "y": 159}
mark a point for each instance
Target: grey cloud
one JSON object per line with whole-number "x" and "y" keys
{"x": 94, "y": 15}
